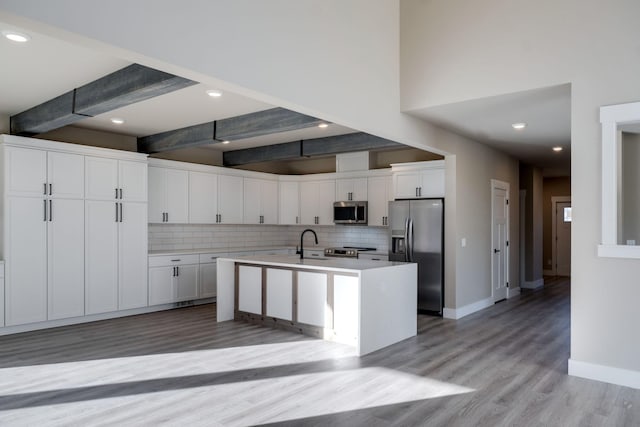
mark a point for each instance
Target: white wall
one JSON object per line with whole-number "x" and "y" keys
{"x": 334, "y": 59}
{"x": 456, "y": 50}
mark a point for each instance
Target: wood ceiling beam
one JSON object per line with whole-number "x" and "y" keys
{"x": 126, "y": 86}
{"x": 267, "y": 122}
{"x": 316, "y": 147}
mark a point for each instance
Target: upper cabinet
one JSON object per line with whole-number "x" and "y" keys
{"x": 110, "y": 179}
{"x": 260, "y": 201}
{"x": 316, "y": 202}
{"x": 349, "y": 189}
{"x": 168, "y": 195}
{"x": 289, "y": 212}
{"x": 418, "y": 180}
{"x": 230, "y": 199}
{"x": 379, "y": 197}
{"x": 203, "y": 198}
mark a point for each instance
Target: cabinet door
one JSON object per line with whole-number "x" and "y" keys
{"x": 379, "y": 199}
{"x": 406, "y": 185}
{"x": 289, "y": 212}
{"x": 177, "y": 187}
{"x": 26, "y": 261}
{"x": 252, "y": 198}
{"x": 312, "y": 297}
{"x": 132, "y": 179}
{"x": 207, "y": 283}
{"x": 269, "y": 202}
{"x": 203, "y": 198}
{"x": 2, "y": 295}
{"x": 132, "y": 256}
{"x": 26, "y": 171}
{"x": 161, "y": 287}
{"x": 344, "y": 187}
{"x": 65, "y": 282}
{"x": 157, "y": 194}
{"x": 230, "y": 199}
{"x": 432, "y": 183}
{"x": 65, "y": 175}
{"x": 186, "y": 282}
{"x": 308, "y": 202}
{"x": 326, "y": 197}
{"x": 101, "y": 257}
{"x": 359, "y": 191}
{"x": 351, "y": 189}
{"x": 101, "y": 178}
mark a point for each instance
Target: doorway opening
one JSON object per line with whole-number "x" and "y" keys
{"x": 499, "y": 240}
{"x": 561, "y": 236}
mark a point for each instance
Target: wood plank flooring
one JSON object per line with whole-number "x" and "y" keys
{"x": 506, "y": 365}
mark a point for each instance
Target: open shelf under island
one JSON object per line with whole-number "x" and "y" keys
{"x": 362, "y": 303}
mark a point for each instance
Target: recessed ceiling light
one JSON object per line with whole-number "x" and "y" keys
{"x": 225, "y": 142}
{"x": 519, "y": 126}
{"x": 117, "y": 120}
{"x": 214, "y": 93}
{"x": 557, "y": 149}
{"x": 323, "y": 125}
{"x": 16, "y": 36}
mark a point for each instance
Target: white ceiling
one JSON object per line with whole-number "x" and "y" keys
{"x": 546, "y": 111}
{"x": 43, "y": 68}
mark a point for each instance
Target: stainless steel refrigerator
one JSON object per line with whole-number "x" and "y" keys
{"x": 416, "y": 234}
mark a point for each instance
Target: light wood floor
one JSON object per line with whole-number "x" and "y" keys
{"x": 506, "y": 365}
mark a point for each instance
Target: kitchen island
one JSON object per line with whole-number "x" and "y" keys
{"x": 362, "y": 303}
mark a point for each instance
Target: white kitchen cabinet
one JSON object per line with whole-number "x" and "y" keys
{"x": 316, "y": 202}
{"x": 65, "y": 173}
{"x": 132, "y": 181}
{"x": 25, "y": 172}
{"x": 203, "y": 198}
{"x": 419, "y": 180}
{"x": 379, "y": 196}
{"x": 65, "y": 243}
{"x": 168, "y": 195}
{"x": 250, "y": 289}
{"x": 260, "y": 201}
{"x": 173, "y": 279}
{"x": 351, "y": 189}
{"x": 279, "y": 288}
{"x": 132, "y": 256}
{"x": 230, "y": 199}
{"x": 312, "y": 297}
{"x": 289, "y": 201}
{"x": 207, "y": 283}
{"x": 111, "y": 179}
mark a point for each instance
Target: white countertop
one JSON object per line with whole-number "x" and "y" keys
{"x": 294, "y": 262}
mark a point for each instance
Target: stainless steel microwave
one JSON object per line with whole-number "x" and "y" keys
{"x": 350, "y": 213}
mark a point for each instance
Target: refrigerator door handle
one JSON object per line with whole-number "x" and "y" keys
{"x": 407, "y": 247}
{"x": 410, "y": 241}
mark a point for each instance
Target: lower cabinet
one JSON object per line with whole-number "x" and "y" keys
{"x": 207, "y": 284}
{"x": 173, "y": 279}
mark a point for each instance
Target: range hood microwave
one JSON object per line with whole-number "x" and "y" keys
{"x": 350, "y": 213}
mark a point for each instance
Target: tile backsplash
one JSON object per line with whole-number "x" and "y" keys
{"x": 217, "y": 236}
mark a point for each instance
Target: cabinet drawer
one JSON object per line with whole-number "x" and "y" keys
{"x": 168, "y": 260}
{"x": 211, "y": 257}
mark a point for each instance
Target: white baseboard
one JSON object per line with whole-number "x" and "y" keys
{"x": 8, "y": 330}
{"x": 548, "y": 272}
{"x": 533, "y": 285}
{"x": 458, "y": 313}
{"x": 512, "y": 292}
{"x": 607, "y": 374}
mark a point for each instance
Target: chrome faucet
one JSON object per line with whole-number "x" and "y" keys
{"x": 301, "y": 251}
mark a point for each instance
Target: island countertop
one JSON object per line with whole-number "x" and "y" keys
{"x": 352, "y": 265}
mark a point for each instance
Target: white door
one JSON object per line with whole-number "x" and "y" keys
{"x": 207, "y": 282}
{"x": 203, "y": 198}
{"x": 26, "y": 173}
{"x": 230, "y": 199}
{"x": 132, "y": 180}
{"x": 252, "y": 197}
{"x": 177, "y": 187}
{"x": 26, "y": 261}
{"x": 563, "y": 238}
{"x": 161, "y": 287}
{"x": 65, "y": 175}
{"x": 132, "y": 256}
{"x": 289, "y": 205}
{"x": 101, "y": 178}
{"x": 101, "y": 256}
{"x": 65, "y": 284}
{"x": 269, "y": 202}
{"x": 499, "y": 228}
{"x": 187, "y": 282}
{"x": 157, "y": 194}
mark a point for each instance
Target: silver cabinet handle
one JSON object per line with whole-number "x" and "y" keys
{"x": 45, "y": 210}
{"x": 116, "y": 192}
{"x": 174, "y": 272}
{"x": 50, "y": 189}
{"x": 121, "y": 217}
{"x": 116, "y": 211}
{"x": 167, "y": 216}
{"x": 177, "y": 271}
{"x": 50, "y": 210}
{"x": 45, "y": 188}
{"x": 121, "y": 194}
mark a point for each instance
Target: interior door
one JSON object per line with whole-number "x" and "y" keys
{"x": 499, "y": 243}
{"x": 563, "y": 238}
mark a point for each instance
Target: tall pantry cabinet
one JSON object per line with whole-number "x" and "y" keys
{"x": 49, "y": 227}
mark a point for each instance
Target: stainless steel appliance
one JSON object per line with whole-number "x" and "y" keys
{"x": 350, "y": 212}
{"x": 416, "y": 234}
{"x": 346, "y": 252}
